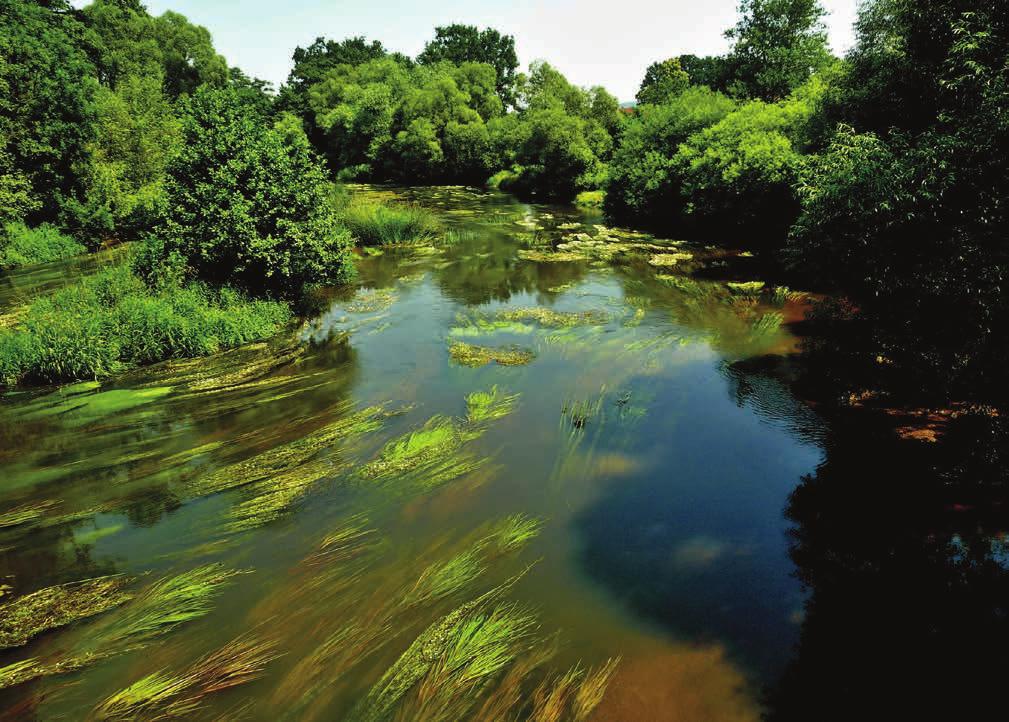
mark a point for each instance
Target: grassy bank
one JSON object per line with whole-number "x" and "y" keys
{"x": 113, "y": 320}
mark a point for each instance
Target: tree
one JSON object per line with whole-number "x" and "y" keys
{"x": 131, "y": 43}
{"x": 663, "y": 81}
{"x": 137, "y": 136}
{"x": 46, "y": 119}
{"x": 643, "y": 183}
{"x": 468, "y": 44}
{"x": 777, "y": 46}
{"x": 248, "y": 205}
{"x": 711, "y": 71}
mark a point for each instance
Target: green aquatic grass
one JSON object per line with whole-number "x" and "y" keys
{"x": 166, "y": 604}
{"x": 513, "y": 533}
{"x": 443, "y": 579}
{"x": 273, "y": 498}
{"x": 374, "y": 223}
{"x": 84, "y": 408}
{"x": 666, "y": 260}
{"x": 766, "y": 325}
{"x": 432, "y": 452}
{"x": 26, "y": 617}
{"x": 462, "y": 648}
{"x": 154, "y": 612}
{"x": 484, "y": 406}
{"x": 165, "y": 696}
{"x": 466, "y": 354}
{"x": 350, "y": 540}
{"x": 371, "y": 301}
{"x": 550, "y": 318}
{"x": 287, "y": 457}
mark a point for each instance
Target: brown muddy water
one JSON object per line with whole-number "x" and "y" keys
{"x": 512, "y": 474}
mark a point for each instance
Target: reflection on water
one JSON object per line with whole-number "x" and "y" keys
{"x": 379, "y": 529}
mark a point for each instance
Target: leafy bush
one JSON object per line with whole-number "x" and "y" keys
{"x": 248, "y": 205}
{"x": 24, "y": 246}
{"x": 643, "y": 182}
{"x": 112, "y": 320}
{"x": 379, "y": 224}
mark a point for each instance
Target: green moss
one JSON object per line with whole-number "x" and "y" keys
{"x": 473, "y": 356}
{"x": 28, "y": 616}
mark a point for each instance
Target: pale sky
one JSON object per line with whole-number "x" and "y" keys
{"x": 593, "y": 42}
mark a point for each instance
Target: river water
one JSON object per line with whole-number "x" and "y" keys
{"x": 615, "y": 500}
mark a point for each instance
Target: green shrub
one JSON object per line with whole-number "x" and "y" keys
{"x": 249, "y": 205}
{"x": 24, "y": 246}
{"x": 379, "y": 224}
{"x": 111, "y": 321}
{"x": 590, "y": 199}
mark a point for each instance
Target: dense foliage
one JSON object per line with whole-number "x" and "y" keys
{"x": 248, "y": 203}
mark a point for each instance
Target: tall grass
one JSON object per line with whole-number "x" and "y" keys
{"x": 24, "y": 246}
{"x": 112, "y": 320}
{"x": 381, "y": 224}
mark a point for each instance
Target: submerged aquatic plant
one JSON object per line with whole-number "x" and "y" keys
{"x": 767, "y": 324}
{"x": 25, "y": 513}
{"x": 551, "y": 256}
{"x": 489, "y": 405}
{"x": 157, "y": 610}
{"x": 664, "y": 260}
{"x": 347, "y": 542}
{"x": 514, "y": 533}
{"x": 25, "y": 617}
{"x": 443, "y": 579}
{"x": 474, "y": 356}
{"x": 550, "y": 318}
{"x": 165, "y": 696}
{"x": 431, "y": 455}
{"x": 448, "y": 658}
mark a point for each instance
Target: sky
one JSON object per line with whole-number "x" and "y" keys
{"x": 593, "y": 42}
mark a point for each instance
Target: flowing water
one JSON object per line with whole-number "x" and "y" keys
{"x": 608, "y": 514}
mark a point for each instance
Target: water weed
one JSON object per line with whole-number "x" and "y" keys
{"x": 165, "y": 696}
{"x": 379, "y": 224}
{"x": 25, "y": 617}
{"x": 466, "y": 354}
{"x": 484, "y": 406}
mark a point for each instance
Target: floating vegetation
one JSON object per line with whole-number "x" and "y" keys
{"x": 665, "y": 260}
{"x": 489, "y": 405}
{"x": 371, "y": 301}
{"x": 551, "y": 256}
{"x": 165, "y": 696}
{"x": 166, "y": 604}
{"x": 480, "y": 325}
{"x": 749, "y": 288}
{"x": 514, "y": 533}
{"x": 433, "y": 454}
{"x": 475, "y": 356}
{"x": 555, "y": 319}
{"x": 25, "y": 617}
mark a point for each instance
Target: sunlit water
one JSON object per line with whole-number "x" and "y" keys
{"x": 658, "y": 469}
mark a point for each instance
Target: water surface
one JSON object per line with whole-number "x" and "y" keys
{"x": 657, "y": 467}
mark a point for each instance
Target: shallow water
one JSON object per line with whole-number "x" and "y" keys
{"x": 658, "y": 468}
